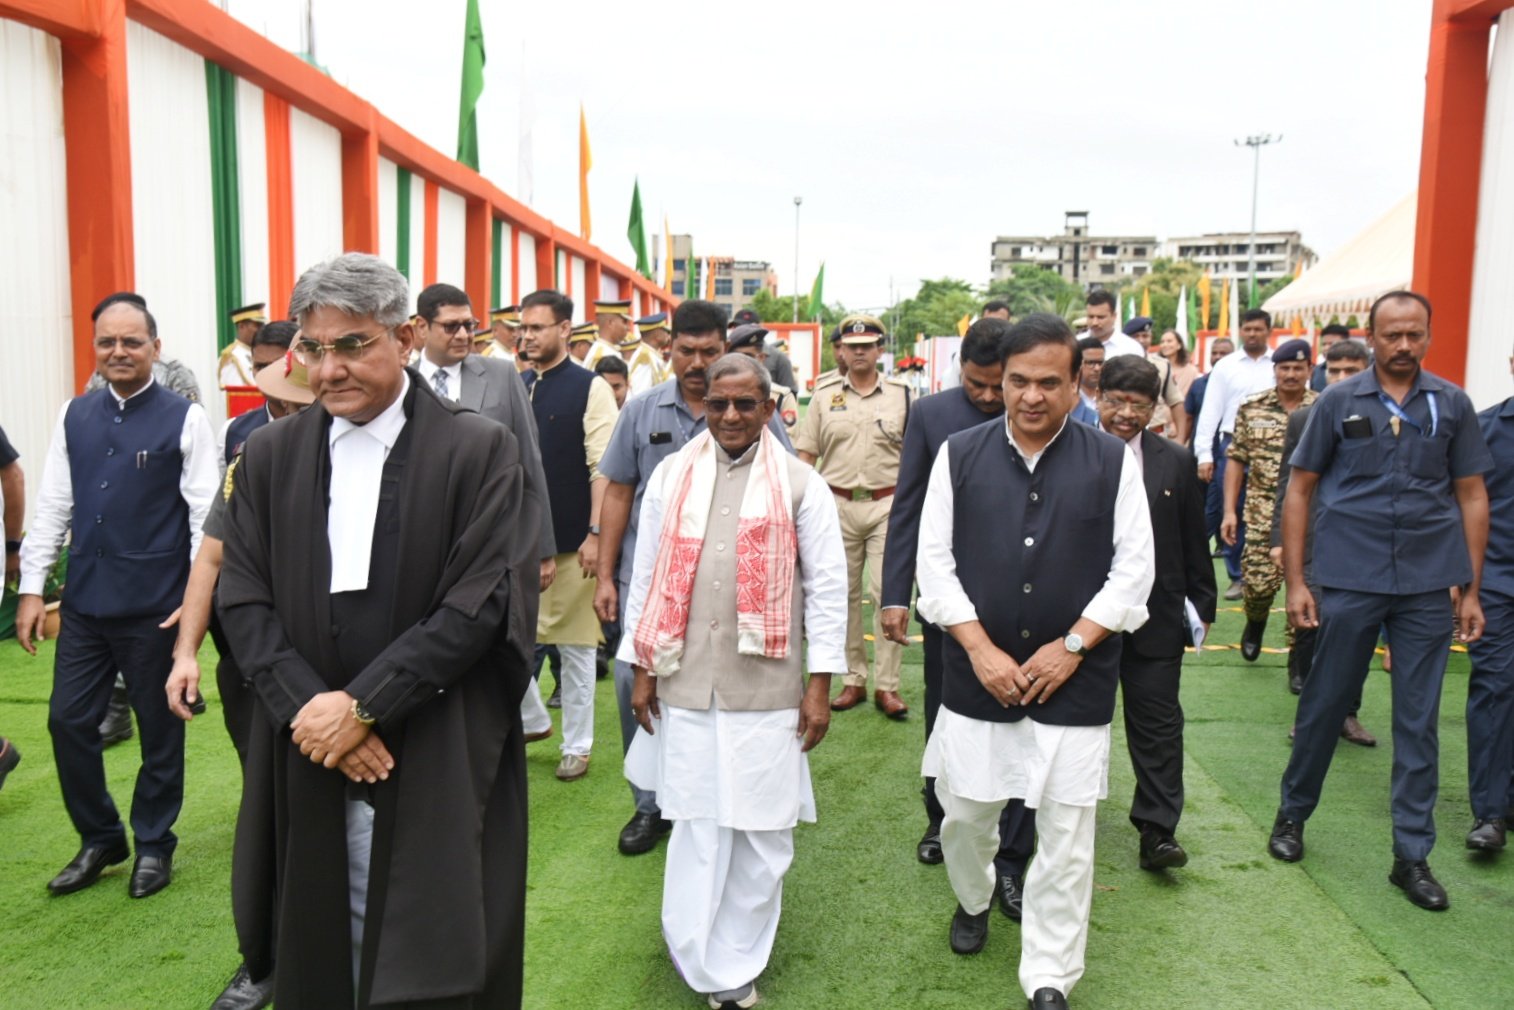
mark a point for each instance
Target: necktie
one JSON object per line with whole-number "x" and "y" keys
{"x": 439, "y": 381}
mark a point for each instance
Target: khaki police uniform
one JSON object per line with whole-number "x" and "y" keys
{"x": 856, "y": 440}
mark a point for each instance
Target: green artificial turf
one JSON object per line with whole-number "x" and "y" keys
{"x": 864, "y": 925}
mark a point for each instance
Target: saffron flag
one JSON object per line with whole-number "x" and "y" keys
{"x": 1204, "y": 301}
{"x": 473, "y": 86}
{"x": 585, "y": 162}
{"x": 816, "y": 294}
{"x": 963, "y": 324}
{"x": 1224, "y": 326}
{"x": 667, "y": 259}
{"x": 1146, "y": 302}
{"x": 637, "y": 233}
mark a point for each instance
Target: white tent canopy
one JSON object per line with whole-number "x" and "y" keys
{"x": 1378, "y": 260}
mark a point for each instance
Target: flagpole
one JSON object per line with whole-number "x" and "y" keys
{"x": 797, "y": 201}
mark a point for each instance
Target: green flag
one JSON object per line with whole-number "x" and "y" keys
{"x": 473, "y": 86}
{"x": 1194, "y": 325}
{"x": 638, "y": 234}
{"x": 817, "y": 299}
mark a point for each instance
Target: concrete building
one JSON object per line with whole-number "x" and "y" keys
{"x": 1225, "y": 254}
{"x": 1076, "y": 254}
{"x": 736, "y": 282}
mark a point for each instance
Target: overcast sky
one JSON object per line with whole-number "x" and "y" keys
{"x": 914, "y": 132}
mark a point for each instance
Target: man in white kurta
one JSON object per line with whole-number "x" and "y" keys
{"x": 739, "y": 560}
{"x": 1035, "y": 549}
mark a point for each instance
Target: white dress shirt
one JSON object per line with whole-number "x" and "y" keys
{"x": 1236, "y": 377}
{"x": 993, "y": 761}
{"x": 199, "y": 480}
{"x": 428, "y": 370}
{"x": 1117, "y": 343}
{"x": 358, "y": 453}
{"x": 1120, "y": 605}
{"x": 822, "y": 568}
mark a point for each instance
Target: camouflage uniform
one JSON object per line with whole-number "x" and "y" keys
{"x": 1260, "y": 427}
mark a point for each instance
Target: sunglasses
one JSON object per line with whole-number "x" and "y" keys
{"x": 719, "y": 405}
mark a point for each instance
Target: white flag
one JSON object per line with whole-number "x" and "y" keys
{"x": 1235, "y": 309}
{"x": 1182, "y": 324}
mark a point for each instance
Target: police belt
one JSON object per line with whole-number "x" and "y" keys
{"x": 862, "y": 493}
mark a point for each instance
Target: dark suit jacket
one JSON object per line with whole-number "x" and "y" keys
{"x": 1183, "y": 565}
{"x": 494, "y": 389}
{"x": 931, "y": 420}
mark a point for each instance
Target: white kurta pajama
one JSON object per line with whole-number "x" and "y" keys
{"x": 733, "y": 782}
{"x": 1059, "y": 771}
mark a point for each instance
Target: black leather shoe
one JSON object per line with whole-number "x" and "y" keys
{"x": 1048, "y": 999}
{"x": 10, "y": 757}
{"x": 555, "y": 701}
{"x": 116, "y": 726}
{"x": 1416, "y": 881}
{"x": 1251, "y": 640}
{"x": 242, "y": 993}
{"x": 1011, "y": 893}
{"x": 969, "y": 932}
{"x": 86, "y": 867}
{"x": 1487, "y": 835}
{"x": 641, "y": 833}
{"x": 1287, "y": 841}
{"x": 1295, "y": 681}
{"x": 150, "y": 875}
{"x": 929, "y": 849}
{"x": 1161, "y": 851}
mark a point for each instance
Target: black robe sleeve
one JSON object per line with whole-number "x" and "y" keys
{"x": 245, "y": 599}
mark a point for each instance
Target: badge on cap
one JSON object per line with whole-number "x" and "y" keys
{"x": 858, "y": 327}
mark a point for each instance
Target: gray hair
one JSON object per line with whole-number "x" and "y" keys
{"x": 739, "y": 364}
{"x": 354, "y": 283}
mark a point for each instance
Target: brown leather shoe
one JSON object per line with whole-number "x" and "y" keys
{"x": 890, "y": 704}
{"x": 850, "y": 697}
{"x": 1356, "y": 733}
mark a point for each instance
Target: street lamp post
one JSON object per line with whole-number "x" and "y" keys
{"x": 797, "y": 201}
{"x": 1256, "y": 142}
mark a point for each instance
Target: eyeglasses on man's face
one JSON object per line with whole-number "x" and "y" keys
{"x": 348, "y": 347}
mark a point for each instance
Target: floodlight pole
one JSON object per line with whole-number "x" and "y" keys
{"x": 1256, "y": 142}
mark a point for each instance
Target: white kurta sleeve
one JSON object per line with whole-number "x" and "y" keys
{"x": 1210, "y": 415}
{"x": 55, "y": 507}
{"x": 822, "y": 573}
{"x": 942, "y": 599}
{"x": 648, "y": 535}
{"x": 1121, "y": 604}
{"x": 200, "y": 478}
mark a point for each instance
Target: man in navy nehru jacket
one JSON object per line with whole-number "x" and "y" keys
{"x": 133, "y": 467}
{"x": 1035, "y": 552}
{"x": 978, "y": 399}
{"x": 1395, "y": 459}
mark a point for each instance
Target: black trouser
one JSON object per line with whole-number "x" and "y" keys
{"x": 1154, "y": 736}
{"x": 236, "y": 693}
{"x": 1301, "y": 655}
{"x": 1017, "y": 825}
{"x": 90, "y": 652}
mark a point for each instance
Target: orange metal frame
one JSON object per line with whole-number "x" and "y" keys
{"x": 97, "y": 138}
{"x": 1450, "y": 171}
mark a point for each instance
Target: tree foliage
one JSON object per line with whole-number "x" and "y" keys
{"x": 771, "y": 308}
{"x": 1036, "y": 289}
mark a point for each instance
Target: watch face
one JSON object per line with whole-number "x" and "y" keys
{"x": 1074, "y": 642}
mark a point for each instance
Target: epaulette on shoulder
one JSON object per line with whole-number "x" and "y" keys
{"x": 230, "y": 476}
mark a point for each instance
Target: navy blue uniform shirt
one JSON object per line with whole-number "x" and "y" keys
{"x": 1497, "y": 425}
{"x": 1387, "y": 520}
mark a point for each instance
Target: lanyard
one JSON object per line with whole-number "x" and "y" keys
{"x": 1399, "y": 412}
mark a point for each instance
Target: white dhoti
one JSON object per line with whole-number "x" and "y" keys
{"x": 734, "y": 784}
{"x": 1059, "y": 771}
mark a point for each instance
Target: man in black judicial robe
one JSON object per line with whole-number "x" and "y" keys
{"x": 402, "y": 694}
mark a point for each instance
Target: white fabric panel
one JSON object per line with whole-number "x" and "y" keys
{"x": 451, "y": 238}
{"x": 172, "y": 215}
{"x": 315, "y": 151}
{"x": 1487, "y": 378}
{"x": 559, "y": 278}
{"x": 417, "y": 236}
{"x": 528, "y": 281}
{"x": 506, "y": 251}
{"x": 36, "y": 319}
{"x": 252, "y": 196}
{"x": 609, "y": 289}
{"x": 580, "y": 280}
{"x": 388, "y": 210}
